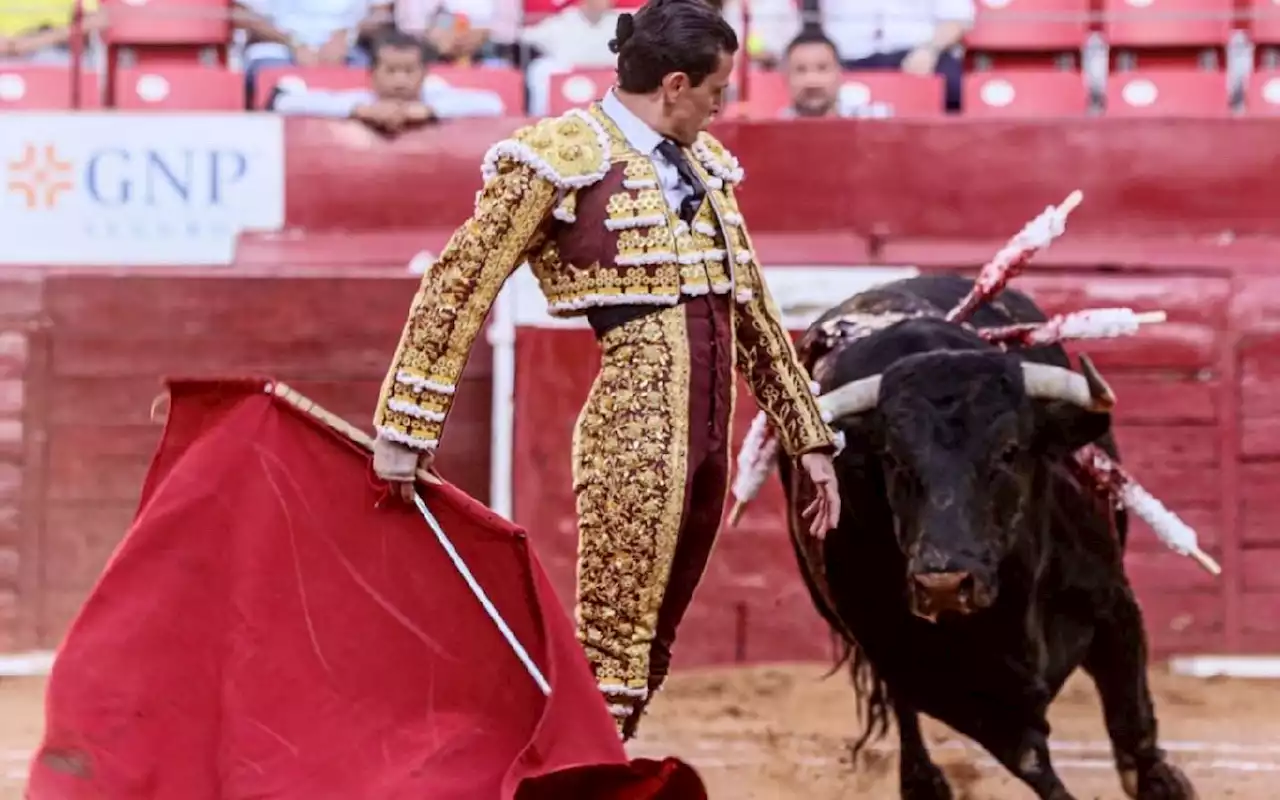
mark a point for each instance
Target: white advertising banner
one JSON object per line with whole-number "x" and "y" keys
{"x": 111, "y": 189}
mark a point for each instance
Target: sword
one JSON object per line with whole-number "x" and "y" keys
{"x": 307, "y": 406}
{"x": 479, "y": 592}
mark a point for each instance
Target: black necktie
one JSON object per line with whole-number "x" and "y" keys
{"x": 675, "y": 156}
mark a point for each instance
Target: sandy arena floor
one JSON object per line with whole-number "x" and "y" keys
{"x": 781, "y": 732}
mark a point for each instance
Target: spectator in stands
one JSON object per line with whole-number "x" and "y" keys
{"x": 575, "y": 38}
{"x": 399, "y": 96}
{"x": 460, "y": 31}
{"x": 39, "y": 31}
{"x": 812, "y": 69}
{"x": 307, "y": 32}
{"x": 916, "y": 36}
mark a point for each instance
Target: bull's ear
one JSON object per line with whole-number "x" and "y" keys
{"x": 1063, "y": 428}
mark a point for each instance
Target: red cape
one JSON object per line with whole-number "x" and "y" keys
{"x": 271, "y": 628}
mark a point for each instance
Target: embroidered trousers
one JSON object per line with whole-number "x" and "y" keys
{"x": 650, "y": 473}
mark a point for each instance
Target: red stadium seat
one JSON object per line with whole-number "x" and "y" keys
{"x": 1025, "y": 93}
{"x": 179, "y": 88}
{"x": 334, "y": 79}
{"x": 167, "y": 22}
{"x": 1262, "y": 94}
{"x": 880, "y": 93}
{"x": 1264, "y": 21}
{"x": 508, "y": 84}
{"x": 1167, "y": 93}
{"x": 1029, "y": 25}
{"x": 45, "y": 88}
{"x": 1167, "y": 23}
{"x": 1264, "y": 31}
{"x": 578, "y": 88}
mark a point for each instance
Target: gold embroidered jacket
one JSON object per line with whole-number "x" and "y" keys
{"x": 571, "y": 197}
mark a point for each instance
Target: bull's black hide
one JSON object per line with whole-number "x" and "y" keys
{"x": 956, "y": 486}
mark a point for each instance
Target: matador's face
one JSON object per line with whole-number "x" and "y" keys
{"x": 690, "y": 109}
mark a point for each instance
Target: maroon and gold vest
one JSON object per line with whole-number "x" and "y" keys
{"x": 616, "y": 241}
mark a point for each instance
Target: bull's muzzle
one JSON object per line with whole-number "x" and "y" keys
{"x": 933, "y": 593}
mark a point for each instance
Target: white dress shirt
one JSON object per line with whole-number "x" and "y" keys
{"x": 862, "y": 28}
{"x": 646, "y": 140}
{"x": 312, "y": 22}
{"x": 446, "y": 101}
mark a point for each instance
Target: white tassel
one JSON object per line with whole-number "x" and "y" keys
{"x": 1168, "y": 527}
{"x": 1094, "y": 323}
{"x": 755, "y": 460}
{"x": 1049, "y": 225}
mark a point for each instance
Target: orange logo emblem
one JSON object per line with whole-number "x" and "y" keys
{"x": 40, "y": 176}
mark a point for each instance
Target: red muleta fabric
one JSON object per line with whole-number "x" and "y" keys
{"x": 275, "y": 627}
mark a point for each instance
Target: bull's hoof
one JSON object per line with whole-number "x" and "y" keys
{"x": 925, "y": 782}
{"x": 1164, "y": 781}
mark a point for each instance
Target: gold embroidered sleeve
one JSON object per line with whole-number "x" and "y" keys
{"x": 767, "y": 358}
{"x": 454, "y": 299}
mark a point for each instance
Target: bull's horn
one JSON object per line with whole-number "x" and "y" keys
{"x": 851, "y": 398}
{"x": 1047, "y": 382}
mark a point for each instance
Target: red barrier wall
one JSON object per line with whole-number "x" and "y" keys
{"x": 1187, "y": 199}
{"x": 932, "y": 179}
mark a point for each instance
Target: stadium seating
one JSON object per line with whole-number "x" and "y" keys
{"x": 578, "y": 88}
{"x": 169, "y": 23}
{"x": 1262, "y": 94}
{"x": 179, "y": 88}
{"x": 1167, "y": 93}
{"x": 880, "y": 93}
{"x": 45, "y": 88}
{"x": 508, "y": 84}
{"x": 1027, "y": 33}
{"x": 1025, "y": 93}
{"x": 1264, "y": 30}
{"x": 1152, "y": 33}
{"x": 327, "y": 78}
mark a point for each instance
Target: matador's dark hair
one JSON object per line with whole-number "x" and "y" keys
{"x": 667, "y": 36}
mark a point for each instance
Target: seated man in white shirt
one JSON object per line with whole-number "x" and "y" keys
{"x": 816, "y": 82}
{"x": 916, "y": 36}
{"x": 812, "y": 69}
{"x": 306, "y": 32}
{"x": 576, "y": 38}
{"x": 399, "y": 97}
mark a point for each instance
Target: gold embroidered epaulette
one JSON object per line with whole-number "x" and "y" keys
{"x": 571, "y": 151}
{"x": 716, "y": 159}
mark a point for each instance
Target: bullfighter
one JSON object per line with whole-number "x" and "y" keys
{"x": 627, "y": 214}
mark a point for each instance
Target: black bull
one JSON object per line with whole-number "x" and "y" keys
{"x": 971, "y": 572}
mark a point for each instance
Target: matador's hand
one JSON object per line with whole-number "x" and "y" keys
{"x": 824, "y": 512}
{"x": 398, "y": 464}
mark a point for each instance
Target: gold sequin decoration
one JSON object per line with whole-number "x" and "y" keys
{"x": 630, "y": 451}
{"x": 455, "y": 296}
{"x": 767, "y": 358}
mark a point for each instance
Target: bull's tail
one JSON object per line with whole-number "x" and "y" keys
{"x": 874, "y": 701}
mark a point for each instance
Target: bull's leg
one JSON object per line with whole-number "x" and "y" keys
{"x": 1025, "y": 753}
{"x": 1117, "y": 662}
{"x": 918, "y": 777}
